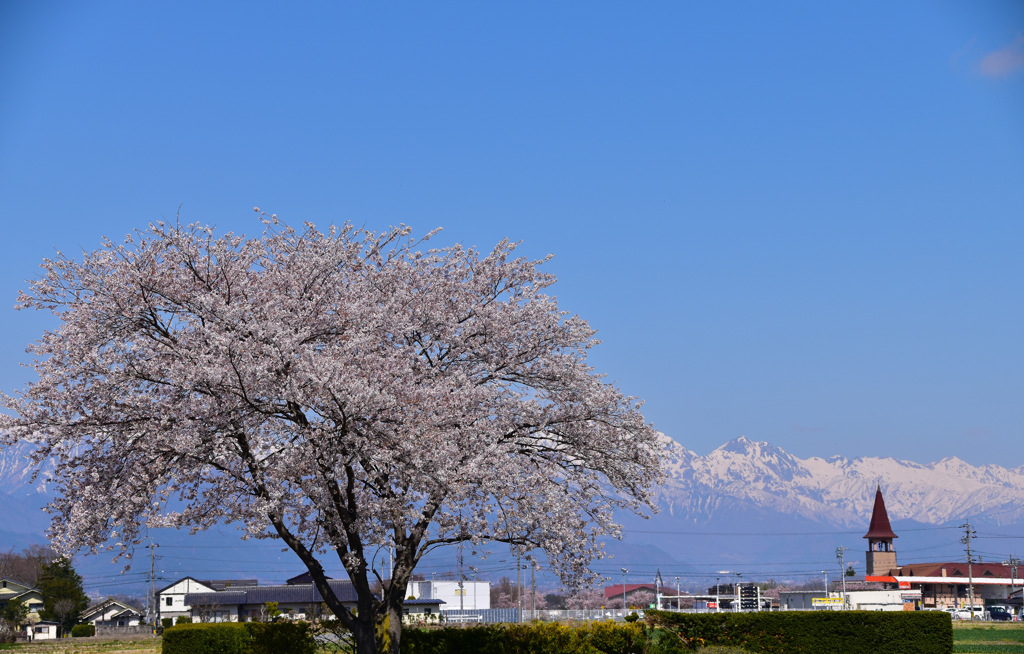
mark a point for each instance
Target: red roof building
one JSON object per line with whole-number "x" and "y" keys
{"x": 941, "y": 585}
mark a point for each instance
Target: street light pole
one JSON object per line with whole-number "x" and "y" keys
{"x": 736, "y": 588}
{"x": 624, "y": 571}
{"x": 718, "y": 598}
{"x": 825, "y": 572}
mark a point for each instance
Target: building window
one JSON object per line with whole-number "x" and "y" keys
{"x": 169, "y": 601}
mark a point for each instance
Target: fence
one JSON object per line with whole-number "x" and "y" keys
{"x": 491, "y": 616}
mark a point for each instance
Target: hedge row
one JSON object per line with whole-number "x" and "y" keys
{"x": 794, "y": 632}
{"x": 239, "y": 638}
{"x": 814, "y": 632}
{"x": 546, "y": 638}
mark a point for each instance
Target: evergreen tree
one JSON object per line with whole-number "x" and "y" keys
{"x": 63, "y": 596}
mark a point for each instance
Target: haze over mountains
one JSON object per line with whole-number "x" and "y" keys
{"x": 746, "y": 503}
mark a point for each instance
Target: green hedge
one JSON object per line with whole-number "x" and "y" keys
{"x": 239, "y": 638}
{"x": 538, "y": 638}
{"x": 814, "y": 632}
{"x": 279, "y": 638}
{"x": 206, "y": 638}
{"x": 794, "y": 632}
{"x": 83, "y": 630}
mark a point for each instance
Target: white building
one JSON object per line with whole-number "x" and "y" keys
{"x": 171, "y": 600}
{"x": 472, "y": 596}
{"x": 42, "y": 630}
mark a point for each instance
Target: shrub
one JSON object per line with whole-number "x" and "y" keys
{"x": 167, "y": 622}
{"x": 183, "y": 619}
{"x": 206, "y": 638}
{"x": 7, "y": 633}
{"x": 83, "y": 630}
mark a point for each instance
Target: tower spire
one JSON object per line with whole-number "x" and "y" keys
{"x": 879, "y": 527}
{"x": 881, "y": 557}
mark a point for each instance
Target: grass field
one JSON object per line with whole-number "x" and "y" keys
{"x": 988, "y": 638}
{"x": 97, "y": 645}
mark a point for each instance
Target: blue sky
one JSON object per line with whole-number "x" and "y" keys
{"x": 799, "y": 222}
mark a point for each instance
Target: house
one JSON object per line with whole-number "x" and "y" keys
{"x": 613, "y": 594}
{"x": 300, "y": 601}
{"x": 941, "y": 585}
{"x": 11, "y": 590}
{"x": 111, "y": 613}
{"x": 171, "y": 599}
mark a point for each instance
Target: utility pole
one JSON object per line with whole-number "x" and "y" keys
{"x": 533, "y": 591}
{"x": 969, "y": 533}
{"x": 462, "y": 585}
{"x": 1013, "y": 562}
{"x": 678, "y": 607}
{"x": 151, "y": 613}
{"x": 840, "y": 552}
{"x": 519, "y": 585}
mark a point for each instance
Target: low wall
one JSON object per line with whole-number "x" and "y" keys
{"x": 124, "y": 631}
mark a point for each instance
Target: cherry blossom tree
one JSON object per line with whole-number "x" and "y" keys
{"x": 587, "y": 598}
{"x": 342, "y": 391}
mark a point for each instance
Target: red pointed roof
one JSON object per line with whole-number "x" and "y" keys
{"x": 879, "y": 527}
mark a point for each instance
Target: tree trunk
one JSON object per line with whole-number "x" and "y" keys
{"x": 394, "y": 615}
{"x": 365, "y": 637}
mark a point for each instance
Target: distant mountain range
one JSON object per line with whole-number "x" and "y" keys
{"x": 746, "y": 503}
{"x": 756, "y": 476}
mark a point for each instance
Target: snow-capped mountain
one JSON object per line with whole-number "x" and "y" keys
{"x": 838, "y": 491}
{"x": 16, "y": 473}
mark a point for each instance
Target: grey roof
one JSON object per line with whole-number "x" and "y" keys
{"x": 420, "y": 602}
{"x": 99, "y": 607}
{"x": 222, "y": 584}
{"x": 283, "y": 594}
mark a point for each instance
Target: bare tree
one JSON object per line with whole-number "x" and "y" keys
{"x": 66, "y": 612}
{"x": 26, "y": 566}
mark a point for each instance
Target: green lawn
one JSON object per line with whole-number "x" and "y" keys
{"x": 988, "y": 638}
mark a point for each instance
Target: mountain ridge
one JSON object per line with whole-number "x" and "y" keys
{"x": 835, "y": 490}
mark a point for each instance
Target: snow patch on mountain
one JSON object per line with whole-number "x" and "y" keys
{"x": 835, "y": 490}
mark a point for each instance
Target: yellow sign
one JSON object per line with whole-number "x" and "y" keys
{"x": 826, "y": 601}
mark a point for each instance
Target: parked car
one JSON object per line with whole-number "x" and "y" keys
{"x": 964, "y": 613}
{"x": 1000, "y": 612}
